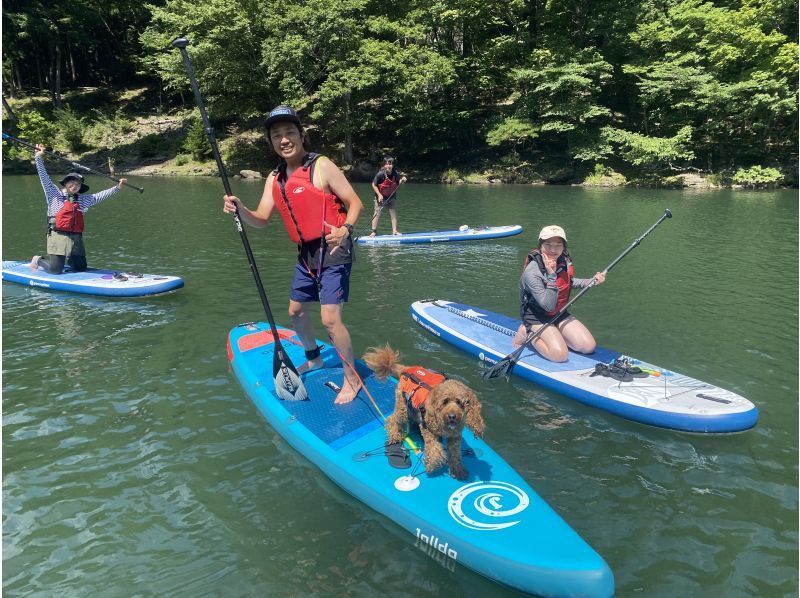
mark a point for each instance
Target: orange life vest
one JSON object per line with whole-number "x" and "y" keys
{"x": 69, "y": 218}
{"x": 302, "y": 206}
{"x": 565, "y": 272}
{"x": 416, "y": 383}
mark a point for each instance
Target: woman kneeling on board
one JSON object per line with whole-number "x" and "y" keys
{"x": 65, "y": 210}
{"x": 545, "y": 286}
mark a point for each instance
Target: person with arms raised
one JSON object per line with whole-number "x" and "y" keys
{"x": 65, "y": 210}
{"x": 319, "y": 208}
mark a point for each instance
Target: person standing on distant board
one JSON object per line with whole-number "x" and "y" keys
{"x": 65, "y": 210}
{"x": 385, "y": 185}
{"x": 545, "y": 286}
{"x": 319, "y": 208}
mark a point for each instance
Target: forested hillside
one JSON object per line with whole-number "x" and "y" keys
{"x": 559, "y": 90}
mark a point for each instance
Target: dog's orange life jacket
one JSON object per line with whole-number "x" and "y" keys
{"x": 417, "y": 382}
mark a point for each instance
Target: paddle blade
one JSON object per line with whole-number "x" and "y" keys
{"x": 288, "y": 385}
{"x": 501, "y": 368}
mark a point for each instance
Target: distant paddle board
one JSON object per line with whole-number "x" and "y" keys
{"x": 465, "y": 233}
{"x": 653, "y": 396}
{"x": 493, "y": 522}
{"x": 107, "y": 283}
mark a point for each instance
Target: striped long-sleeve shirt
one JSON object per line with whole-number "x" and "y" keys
{"x": 55, "y": 199}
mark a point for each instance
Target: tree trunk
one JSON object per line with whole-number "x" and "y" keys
{"x": 347, "y": 155}
{"x": 9, "y": 87}
{"x": 101, "y": 71}
{"x": 533, "y": 24}
{"x": 458, "y": 38}
{"x": 39, "y": 74}
{"x": 57, "y": 80}
{"x": 71, "y": 63}
{"x": 51, "y": 71}
{"x": 9, "y": 83}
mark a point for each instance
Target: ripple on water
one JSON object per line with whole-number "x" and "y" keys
{"x": 134, "y": 465}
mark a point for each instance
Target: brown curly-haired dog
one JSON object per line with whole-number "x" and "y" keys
{"x": 450, "y": 406}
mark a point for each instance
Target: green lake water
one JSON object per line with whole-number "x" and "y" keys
{"x": 133, "y": 464}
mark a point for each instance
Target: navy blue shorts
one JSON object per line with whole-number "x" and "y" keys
{"x": 386, "y": 202}
{"x": 335, "y": 284}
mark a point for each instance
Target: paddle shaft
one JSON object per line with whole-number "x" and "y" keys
{"x": 181, "y": 44}
{"x": 288, "y": 384}
{"x": 533, "y": 335}
{"x": 75, "y": 165}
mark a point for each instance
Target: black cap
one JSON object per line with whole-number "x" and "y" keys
{"x": 283, "y": 114}
{"x": 77, "y": 177}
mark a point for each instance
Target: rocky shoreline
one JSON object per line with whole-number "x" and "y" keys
{"x": 161, "y": 166}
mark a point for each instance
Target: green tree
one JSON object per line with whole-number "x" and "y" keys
{"x": 726, "y": 71}
{"x": 562, "y": 95}
{"x": 514, "y": 131}
{"x": 196, "y": 142}
{"x": 52, "y": 44}
{"x": 32, "y": 127}
{"x": 644, "y": 150}
{"x": 348, "y": 71}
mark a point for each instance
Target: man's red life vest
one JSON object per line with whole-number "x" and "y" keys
{"x": 69, "y": 218}
{"x": 565, "y": 272}
{"x": 416, "y": 383}
{"x": 302, "y": 206}
{"x": 388, "y": 186}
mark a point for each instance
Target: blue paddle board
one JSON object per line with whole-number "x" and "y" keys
{"x": 443, "y": 236}
{"x": 107, "y": 283}
{"x": 493, "y": 522}
{"x": 655, "y": 396}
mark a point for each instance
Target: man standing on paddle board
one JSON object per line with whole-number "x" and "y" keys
{"x": 385, "y": 185}
{"x": 545, "y": 286}
{"x": 319, "y": 208}
{"x": 65, "y": 210}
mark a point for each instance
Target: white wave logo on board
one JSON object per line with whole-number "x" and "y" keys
{"x": 487, "y": 505}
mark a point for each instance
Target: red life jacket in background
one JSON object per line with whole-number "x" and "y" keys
{"x": 416, "y": 383}
{"x": 388, "y": 186}
{"x": 69, "y": 219}
{"x": 302, "y": 206}
{"x": 565, "y": 272}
